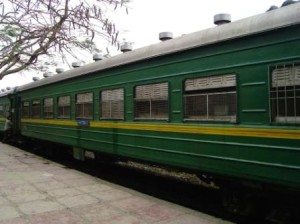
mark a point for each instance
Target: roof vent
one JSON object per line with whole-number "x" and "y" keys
{"x": 98, "y": 57}
{"x": 127, "y": 46}
{"x": 221, "y": 19}
{"x": 163, "y": 36}
{"x": 59, "y": 70}
{"x": 273, "y": 7}
{"x": 288, "y": 2}
{"x": 48, "y": 74}
{"x": 8, "y": 88}
{"x": 76, "y": 64}
{"x": 3, "y": 90}
{"x": 35, "y": 79}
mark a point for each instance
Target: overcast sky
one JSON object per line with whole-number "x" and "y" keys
{"x": 147, "y": 18}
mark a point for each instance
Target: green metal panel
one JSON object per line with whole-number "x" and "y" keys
{"x": 263, "y": 159}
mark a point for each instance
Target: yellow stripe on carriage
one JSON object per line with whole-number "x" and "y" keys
{"x": 226, "y": 131}
{"x": 187, "y": 129}
{"x": 49, "y": 121}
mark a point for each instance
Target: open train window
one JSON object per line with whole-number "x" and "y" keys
{"x": 48, "y": 108}
{"x": 285, "y": 94}
{"x": 151, "y": 102}
{"x": 36, "y": 109}
{"x": 210, "y": 98}
{"x": 112, "y": 104}
{"x": 84, "y": 106}
{"x": 64, "y": 107}
{"x": 25, "y": 109}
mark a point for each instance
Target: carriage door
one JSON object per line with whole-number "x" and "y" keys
{"x": 15, "y": 102}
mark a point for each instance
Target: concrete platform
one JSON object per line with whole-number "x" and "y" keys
{"x": 36, "y": 190}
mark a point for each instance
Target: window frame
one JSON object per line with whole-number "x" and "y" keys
{"x": 210, "y": 87}
{"x": 38, "y": 109}
{"x": 84, "y": 105}
{"x": 154, "y": 112}
{"x": 121, "y": 108}
{"x": 284, "y": 93}
{"x": 48, "y": 114}
{"x": 63, "y": 116}
{"x": 27, "y": 108}
{"x": 2, "y": 110}
{"x": 7, "y": 110}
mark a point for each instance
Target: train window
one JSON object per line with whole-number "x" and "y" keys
{"x": 151, "y": 102}
{"x": 25, "y": 109}
{"x": 48, "y": 108}
{"x": 112, "y": 104}
{"x": 210, "y": 98}
{"x": 84, "y": 106}
{"x": 36, "y": 109}
{"x": 7, "y": 110}
{"x": 285, "y": 94}
{"x": 64, "y": 107}
{"x": 1, "y": 111}
{"x": 4, "y": 110}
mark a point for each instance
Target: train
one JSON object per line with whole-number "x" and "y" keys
{"x": 223, "y": 103}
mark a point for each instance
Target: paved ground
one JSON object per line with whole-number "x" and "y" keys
{"x": 36, "y": 190}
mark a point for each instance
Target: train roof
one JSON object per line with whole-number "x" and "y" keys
{"x": 275, "y": 19}
{"x": 6, "y": 93}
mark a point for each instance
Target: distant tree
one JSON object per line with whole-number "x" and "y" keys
{"x": 32, "y": 28}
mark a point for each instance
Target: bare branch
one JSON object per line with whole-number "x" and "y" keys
{"x": 32, "y": 28}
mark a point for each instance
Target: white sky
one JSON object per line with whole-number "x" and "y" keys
{"x": 147, "y": 18}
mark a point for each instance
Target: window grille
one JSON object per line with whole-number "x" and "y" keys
{"x": 36, "y": 109}
{"x": 210, "y": 82}
{"x": 211, "y": 98}
{"x": 285, "y": 94}
{"x": 151, "y": 102}
{"x": 48, "y": 108}
{"x": 25, "y": 109}
{"x": 112, "y": 104}
{"x": 64, "y": 107}
{"x": 84, "y": 106}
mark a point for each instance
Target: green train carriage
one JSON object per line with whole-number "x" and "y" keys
{"x": 223, "y": 101}
{"x": 8, "y": 103}
{"x": 4, "y": 109}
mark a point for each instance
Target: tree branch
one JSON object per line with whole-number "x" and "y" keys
{"x": 46, "y": 26}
